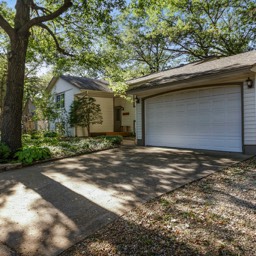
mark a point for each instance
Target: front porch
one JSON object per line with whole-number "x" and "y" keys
{"x": 118, "y": 116}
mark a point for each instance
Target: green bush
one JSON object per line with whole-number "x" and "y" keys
{"x": 41, "y": 142}
{"x": 26, "y": 137}
{"x": 64, "y": 144}
{"x": 68, "y": 146}
{"x": 114, "y": 140}
{"x": 50, "y": 134}
{"x": 50, "y": 140}
{"x": 31, "y": 154}
{"x": 5, "y": 151}
{"x": 36, "y": 135}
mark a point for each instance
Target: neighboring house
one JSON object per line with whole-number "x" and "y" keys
{"x": 118, "y": 114}
{"x": 203, "y": 105}
{"x": 28, "y": 124}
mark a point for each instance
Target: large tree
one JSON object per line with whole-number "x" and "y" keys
{"x": 72, "y": 26}
{"x": 201, "y": 29}
{"x": 153, "y": 35}
{"x": 3, "y": 74}
{"x": 143, "y": 47}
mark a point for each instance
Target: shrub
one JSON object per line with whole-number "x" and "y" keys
{"x": 50, "y": 140}
{"x": 50, "y": 134}
{"x": 41, "y": 142}
{"x": 85, "y": 144}
{"x": 36, "y": 135}
{"x": 26, "y": 137}
{"x": 31, "y": 154}
{"x": 64, "y": 144}
{"x": 69, "y": 146}
{"x": 5, "y": 151}
{"x": 114, "y": 140}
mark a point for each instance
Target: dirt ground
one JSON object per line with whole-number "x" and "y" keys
{"x": 213, "y": 216}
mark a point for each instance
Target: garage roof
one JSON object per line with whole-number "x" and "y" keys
{"x": 243, "y": 61}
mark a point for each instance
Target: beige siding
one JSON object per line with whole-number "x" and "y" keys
{"x": 42, "y": 125}
{"x": 139, "y": 121}
{"x": 106, "y": 105}
{"x": 128, "y": 113}
{"x": 249, "y": 115}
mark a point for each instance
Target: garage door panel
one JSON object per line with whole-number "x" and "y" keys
{"x": 203, "y": 119}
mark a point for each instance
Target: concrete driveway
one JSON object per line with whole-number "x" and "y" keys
{"x": 46, "y": 208}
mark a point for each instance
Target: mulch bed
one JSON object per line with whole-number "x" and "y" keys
{"x": 212, "y": 216}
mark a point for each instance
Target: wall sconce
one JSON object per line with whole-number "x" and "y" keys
{"x": 137, "y": 100}
{"x": 249, "y": 82}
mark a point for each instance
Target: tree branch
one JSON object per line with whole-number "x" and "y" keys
{"x": 6, "y": 26}
{"x": 55, "y": 40}
{"x": 31, "y": 70}
{"x": 39, "y": 8}
{"x": 38, "y": 20}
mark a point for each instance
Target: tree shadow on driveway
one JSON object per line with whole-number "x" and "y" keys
{"x": 46, "y": 208}
{"x": 43, "y": 217}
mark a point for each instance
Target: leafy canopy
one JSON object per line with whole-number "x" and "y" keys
{"x": 200, "y": 29}
{"x": 152, "y": 35}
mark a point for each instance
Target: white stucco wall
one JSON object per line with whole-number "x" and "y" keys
{"x": 69, "y": 91}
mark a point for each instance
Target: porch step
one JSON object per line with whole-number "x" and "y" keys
{"x": 124, "y": 134}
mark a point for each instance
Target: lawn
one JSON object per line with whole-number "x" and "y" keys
{"x": 212, "y": 216}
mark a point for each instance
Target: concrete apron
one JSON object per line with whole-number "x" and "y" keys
{"x": 44, "y": 209}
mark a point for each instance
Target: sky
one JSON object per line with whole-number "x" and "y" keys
{"x": 11, "y": 3}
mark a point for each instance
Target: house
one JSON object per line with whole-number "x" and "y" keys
{"x": 28, "y": 124}
{"x": 118, "y": 113}
{"x": 203, "y": 105}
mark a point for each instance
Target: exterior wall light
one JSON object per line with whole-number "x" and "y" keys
{"x": 137, "y": 100}
{"x": 249, "y": 82}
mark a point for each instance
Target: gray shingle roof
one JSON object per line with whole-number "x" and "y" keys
{"x": 87, "y": 83}
{"x": 193, "y": 70}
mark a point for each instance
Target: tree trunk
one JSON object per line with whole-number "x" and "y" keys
{"x": 12, "y": 110}
{"x": 19, "y": 36}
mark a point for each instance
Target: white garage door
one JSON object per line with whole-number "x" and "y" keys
{"x": 207, "y": 118}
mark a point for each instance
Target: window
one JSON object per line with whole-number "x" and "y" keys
{"x": 60, "y": 100}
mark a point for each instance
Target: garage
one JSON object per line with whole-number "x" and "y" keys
{"x": 208, "y": 118}
{"x": 208, "y": 104}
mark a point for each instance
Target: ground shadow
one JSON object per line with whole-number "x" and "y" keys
{"x": 48, "y": 207}
{"x": 184, "y": 222}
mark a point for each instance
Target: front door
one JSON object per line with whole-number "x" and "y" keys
{"x": 117, "y": 119}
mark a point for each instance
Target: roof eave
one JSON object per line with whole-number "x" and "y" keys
{"x": 237, "y": 75}
{"x": 52, "y": 83}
